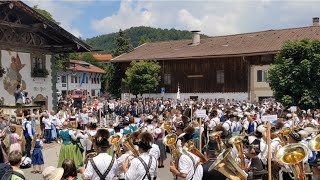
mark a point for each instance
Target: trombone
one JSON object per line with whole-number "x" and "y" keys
{"x": 191, "y": 148}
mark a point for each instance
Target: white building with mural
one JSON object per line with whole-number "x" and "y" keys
{"x": 80, "y": 76}
{"x": 28, "y": 43}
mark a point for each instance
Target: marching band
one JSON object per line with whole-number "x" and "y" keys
{"x": 230, "y": 142}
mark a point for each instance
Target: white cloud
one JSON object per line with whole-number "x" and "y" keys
{"x": 210, "y": 16}
{"x": 62, "y": 12}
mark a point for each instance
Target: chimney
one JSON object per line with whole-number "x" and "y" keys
{"x": 195, "y": 38}
{"x": 315, "y": 21}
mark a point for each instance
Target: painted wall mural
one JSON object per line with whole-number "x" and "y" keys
{"x": 13, "y": 77}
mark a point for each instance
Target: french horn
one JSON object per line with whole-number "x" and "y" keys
{"x": 293, "y": 156}
{"x": 227, "y": 166}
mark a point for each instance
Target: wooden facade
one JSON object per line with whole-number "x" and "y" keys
{"x": 201, "y": 75}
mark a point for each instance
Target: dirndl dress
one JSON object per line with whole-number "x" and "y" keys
{"x": 37, "y": 156}
{"x": 162, "y": 147}
{"x": 69, "y": 150}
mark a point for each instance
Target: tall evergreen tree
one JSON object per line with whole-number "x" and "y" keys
{"x": 114, "y": 70}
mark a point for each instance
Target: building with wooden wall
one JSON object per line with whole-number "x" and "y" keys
{"x": 230, "y": 67}
{"x": 28, "y": 43}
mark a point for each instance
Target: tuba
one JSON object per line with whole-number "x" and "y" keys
{"x": 127, "y": 142}
{"x": 282, "y": 134}
{"x": 114, "y": 140}
{"x": 92, "y": 154}
{"x": 314, "y": 143}
{"x": 167, "y": 126}
{"x": 217, "y": 137}
{"x": 227, "y": 166}
{"x": 191, "y": 148}
{"x": 293, "y": 156}
{"x": 237, "y": 142}
{"x": 170, "y": 141}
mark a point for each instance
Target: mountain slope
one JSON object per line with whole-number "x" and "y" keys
{"x": 138, "y": 35}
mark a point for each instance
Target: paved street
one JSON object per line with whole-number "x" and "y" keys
{"x": 51, "y": 155}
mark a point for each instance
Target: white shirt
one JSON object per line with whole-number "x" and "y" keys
{"x": 47, "y": 122}
{"x": 155, "y": 151}
{"x": 120, "y": 161}
{"x": 275, "y": 146}
{"x": 102, "y": 161}
{"x": 213, "y": 123}
{"x": 227, "y": 125}
{"x": 245, "y": 123}
{"x": 263, "y": 155}
{"x": 186, "y": 166}
{"x": 137, "y": 171}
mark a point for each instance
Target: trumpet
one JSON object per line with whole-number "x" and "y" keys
{"x": 237, "y": 142}
{"x": 127, "y": 142}
{"x": 114, "y": 140}
{"x": 293, "y": 155}
{"x": 217, "y": 137}
{"x": 191, "y": 148}
{"x": 226, "y": 165}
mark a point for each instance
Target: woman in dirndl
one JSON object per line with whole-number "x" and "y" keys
{"x": 69, "y": 149}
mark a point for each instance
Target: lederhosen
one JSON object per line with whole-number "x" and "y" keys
{"x": 147, "y": 167}
{"x": 105, "y": 174}
{"x": 195, "y": 166}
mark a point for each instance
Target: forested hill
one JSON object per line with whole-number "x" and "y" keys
{"x": 137, "y": 36}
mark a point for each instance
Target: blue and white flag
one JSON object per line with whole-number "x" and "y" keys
{"x": 84, "y": 75}
{"x": 178, "y": 93}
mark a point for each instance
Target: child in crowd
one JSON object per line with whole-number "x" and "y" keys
{"x": 14, "y": 140}
{"x": 15, "y": 161}
{"x": 37, "y": 157}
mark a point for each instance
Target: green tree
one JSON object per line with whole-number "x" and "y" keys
{"x": 123, "y": 45}
{"x": 142, "y": 77}
{"x": 45, "y": 14}
{"x": 115, "y": 75}
{"x": 295, "y": 75}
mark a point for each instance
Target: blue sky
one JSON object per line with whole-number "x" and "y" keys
{"x": 89, "y": 18}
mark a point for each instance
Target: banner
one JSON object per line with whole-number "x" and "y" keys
{"x": 84, "y": 75}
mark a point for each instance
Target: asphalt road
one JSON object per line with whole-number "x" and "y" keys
{"x": 51, "y": 156}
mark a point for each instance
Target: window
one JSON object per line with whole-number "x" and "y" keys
{"x": 262, "y": 75}
{"x": 38, "y": 65}
{"x": 87, "y": 79}
{"x": 167, "y": 79}
{"x": 220, "y": 77}
{"x": 93, "y": 92}
{"x": 72, "y": 79}
{"x": 98, "y": 79}
{"x": 64, "y": 79}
